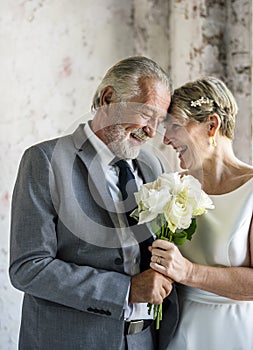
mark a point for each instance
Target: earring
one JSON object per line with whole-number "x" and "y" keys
{"x": 214, "y": 144}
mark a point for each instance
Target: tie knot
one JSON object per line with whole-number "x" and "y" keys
{"x": 122, "y": 164}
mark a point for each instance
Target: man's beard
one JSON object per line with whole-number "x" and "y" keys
{"x": 119, "y": 144}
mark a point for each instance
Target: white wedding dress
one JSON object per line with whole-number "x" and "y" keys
{"x": 208, "y": 321}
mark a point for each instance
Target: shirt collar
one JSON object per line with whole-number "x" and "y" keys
{"x": 103, "y": 152}
{"x": 105, "y": 155}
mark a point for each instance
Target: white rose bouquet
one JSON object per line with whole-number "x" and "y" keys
{"x": 170, "y": 204}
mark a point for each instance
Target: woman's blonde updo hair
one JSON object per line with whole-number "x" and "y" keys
{"x": 201, "y": 98}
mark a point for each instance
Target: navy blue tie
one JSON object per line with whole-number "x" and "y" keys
{"x": 128, "y": 186}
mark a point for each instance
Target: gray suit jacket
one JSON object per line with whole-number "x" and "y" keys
{"x": 66, "y": 253}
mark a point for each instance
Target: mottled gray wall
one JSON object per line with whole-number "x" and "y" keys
{"x": 238, "y": 71}
{"x": 54, "y": 53}
{"x": 214, "y": 37}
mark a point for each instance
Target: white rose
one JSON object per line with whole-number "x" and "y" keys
{"x": 170, "y": 181}
{"x": 150, "y": 202}
{"x": 178, "y": 213}
{"x": 197, "y": 198}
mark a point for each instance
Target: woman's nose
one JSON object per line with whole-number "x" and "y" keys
{"x": 167, "y": 137}
{"x": 166, "y": 140}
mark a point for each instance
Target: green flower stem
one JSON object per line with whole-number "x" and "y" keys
{"x": 157, "y": 313}
{"x": 167, "y": 235}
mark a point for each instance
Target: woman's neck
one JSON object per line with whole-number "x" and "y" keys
{"x": 223, "y": 171}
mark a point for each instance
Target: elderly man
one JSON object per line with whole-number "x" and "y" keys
{"x": 81, "y": 262}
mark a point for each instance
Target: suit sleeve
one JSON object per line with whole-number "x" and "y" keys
{"x": 34, "y": 266}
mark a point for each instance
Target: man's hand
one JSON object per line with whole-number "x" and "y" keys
{"x": 149, "y": 287}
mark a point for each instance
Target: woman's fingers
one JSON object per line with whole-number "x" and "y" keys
{"x": 162, "y": 244}
{"x": 161, "y": 269}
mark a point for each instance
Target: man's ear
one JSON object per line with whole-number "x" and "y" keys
{"x": 214, "y": 124}
{"x": 107, "y": 96}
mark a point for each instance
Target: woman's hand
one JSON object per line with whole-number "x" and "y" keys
{"x": 167, "y": 259}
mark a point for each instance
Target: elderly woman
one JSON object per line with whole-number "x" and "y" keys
{"x": 214, "y": 271}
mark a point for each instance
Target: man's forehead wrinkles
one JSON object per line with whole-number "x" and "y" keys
{"x": 154, "y": 110}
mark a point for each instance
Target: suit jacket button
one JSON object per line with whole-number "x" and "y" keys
{"x": 118, "y": 261}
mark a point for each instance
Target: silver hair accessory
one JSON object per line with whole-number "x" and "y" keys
{"x": 201, "y": 101}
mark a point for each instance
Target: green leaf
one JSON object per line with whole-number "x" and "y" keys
{"x": 179, "y": 238}
{"x": 158, "y": 225}
{"x": 191, "y": 229}
{"x": 156, "y": 228}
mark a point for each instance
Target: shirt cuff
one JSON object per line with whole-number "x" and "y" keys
{"x": 128, "y": 308}
{"x": 135, "y": 311}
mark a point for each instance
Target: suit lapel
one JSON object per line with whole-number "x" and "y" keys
{"x": 96, "y": 176}
{"x": 150, "y": 168}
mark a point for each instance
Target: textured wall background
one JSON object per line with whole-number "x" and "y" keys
{"x": 54, "y": 53}
{"x": 214, "y": 37}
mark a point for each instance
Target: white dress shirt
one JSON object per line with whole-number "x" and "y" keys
{"x": 130, "y": 246}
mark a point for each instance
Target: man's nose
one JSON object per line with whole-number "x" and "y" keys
{"x": 151, "y": 127}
